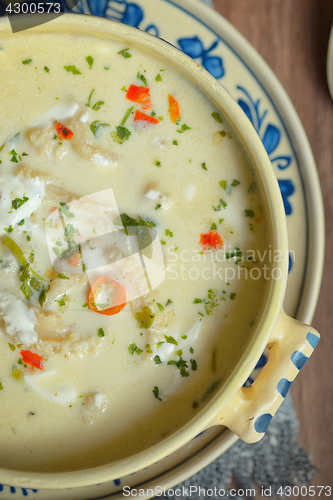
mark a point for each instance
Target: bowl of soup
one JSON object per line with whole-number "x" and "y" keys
{"x": 143, "y": 257}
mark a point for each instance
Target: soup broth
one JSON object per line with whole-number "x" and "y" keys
{"x": 130, "y": 269}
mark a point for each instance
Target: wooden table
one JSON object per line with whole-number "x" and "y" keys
{"x": 292, "y": 36}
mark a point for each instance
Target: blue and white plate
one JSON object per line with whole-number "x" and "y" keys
{"x": 207, "y": 37}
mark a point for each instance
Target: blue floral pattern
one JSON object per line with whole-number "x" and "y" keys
{"x": 194, "y": 48}
{"x": 13, "y": 490}
{"x": 270, "y": 135}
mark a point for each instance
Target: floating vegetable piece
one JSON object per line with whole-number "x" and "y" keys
{"x": 63, "y": 132}
{"x": 211, "y": 239}
{"x": 139, "y": 116}
{"x": 107, "y": 286}
{"x": 173, "y": 109}
{"x": 139, "y": 95}
{"x": 32, "y": 358}
{"x": 145, "y": 318}
{"x": 30, "y": 279}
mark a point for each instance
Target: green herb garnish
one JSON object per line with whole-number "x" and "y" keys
{"x": 26, "y": 61}
{"x": 235, "y": 183}
{"x": 91, "y": 93}
{"x": 100, "y": 332}
{"x": 72, "y": 69}
{"x": 170, "y": 340}
{"x": 156, "y": 393}
{"x": 90, "y": 61}
{"x": 132, "y": 348}
{"x": 157, "y": 360}
{"x": 145, "y": 318}
{"x": 161, "y": 308}
{"x": 96, "y": 125}
{"x": 18, "y": 202}
{"x": 158, "y": 78}
{"x": 217, "y": 117}
{"x": 46, "y": 69}
{"x": 125, "y": 53}
{"x": 249, "y": 213}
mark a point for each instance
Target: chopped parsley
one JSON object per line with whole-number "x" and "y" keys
{"x": 235, "y": 183}
{"x": 26, "y": 61}
{"x": 156, "y": 393}
{"x": 194, "y": 365}
{"x": 96, "y": 125}
{"x": 249, "y": 213}
{"x": 169, "y": 301}
{"x": 90, "y": 61}
{"x": 203, "y": 165}
{"x": 97, "y": 105}
{"x": 232, "y": 296}
{"x": 85, "y": 305}
{"x": 18, "y": 202}
{"x": 1, "y": 386}
{"x": 181, "y": 364}
{"x": 148, "y": 349}
{"x": 125, "y": 53}
{"x": 197, "y": 301}
{"x": 158, "y": 78}
{"x": 100, "y": 333}
{"x": 157, "y": 206}
{"x": 61, "y": 302}
{"x": 213, "y": 227}
{"x": 14, "y": 156}
{"x": 183, "y": 128}
{"x": 158, "y": 164}
{"x": 236, "y": 253}
{"x": 122, "y": 134}
{"x": 175, "y": 143}
{"x": 157, "y": 360}
{"x": 128, "y": 112}
{"x": 46, "y": 69}
{"x": 163, "y": 242}
{"x": 145, "y": 318}
{"x": 184, "y": 337}
{"x": 168, "y": 233}
{"x": 132, "y": 348}
{"x": 11, "y": 347}
{"x": 191, "y": 350}
{"x": 142, "y": 78}
{"x": 218, "y": 207}
{"x": 62, "y": 276}
{"x": 223, "y": 184}
{"x": 91, "y": 93}
{"x": 161, "y": 308}
{"x": 72, "y": 69}
{"x": 9, "y": 229}
{"x": 217, "y": 117}
{"x": 170, "y": 340}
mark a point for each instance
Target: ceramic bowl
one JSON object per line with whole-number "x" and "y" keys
{"x": 245, "y": 410}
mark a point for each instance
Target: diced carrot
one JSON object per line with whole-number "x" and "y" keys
{"x": 118, "y": 303}
{"x": 139, "y": 116}
{"x": 139, "y": 95}
{"x": 212, "y": 239}
{"x": 173, "y": 109}
{"x": 32, "y": 358}
{"x": 63, "y": 132}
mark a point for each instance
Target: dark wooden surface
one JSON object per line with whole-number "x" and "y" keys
{"x": 292, "y": 36}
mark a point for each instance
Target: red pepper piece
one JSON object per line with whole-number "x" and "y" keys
{"x": 173, "y": 109}
{"x": 139, "y": 116}
{"x": 118, "y": 303}
{"x": 139, "y": 95}
{"x": 212, "y": 239}
{"x": 63, "y": 132}
{"x": 32, "y": 358}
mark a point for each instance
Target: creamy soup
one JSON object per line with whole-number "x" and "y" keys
{"x": 132, "y": 251}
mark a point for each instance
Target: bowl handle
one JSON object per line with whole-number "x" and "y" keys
{"x": 251, "y": 409}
